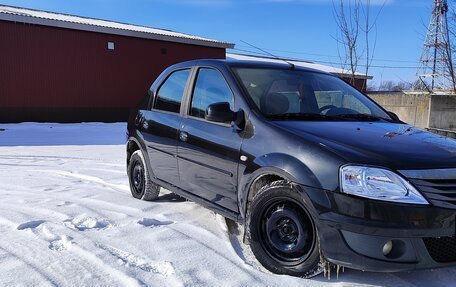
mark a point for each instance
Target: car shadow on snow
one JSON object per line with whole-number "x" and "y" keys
{"x": 170, "y": 197}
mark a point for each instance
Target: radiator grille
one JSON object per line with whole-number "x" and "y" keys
{"x": 441, "y": 249}
{"x": 440, "y": 192}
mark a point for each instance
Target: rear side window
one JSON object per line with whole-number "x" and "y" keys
{"x": 210, "y": 88}
{"x": 169, "y": 96}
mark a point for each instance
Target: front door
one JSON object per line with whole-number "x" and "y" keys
{"x": 208, "y": 152}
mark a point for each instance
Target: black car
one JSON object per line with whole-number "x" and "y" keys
{"x": 316, "y": 171}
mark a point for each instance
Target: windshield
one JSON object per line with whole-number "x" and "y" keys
{"x": 294, "y": 94}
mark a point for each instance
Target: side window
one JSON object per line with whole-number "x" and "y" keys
{"x": 210, "y": 88}
{"x": 169, "y": 96}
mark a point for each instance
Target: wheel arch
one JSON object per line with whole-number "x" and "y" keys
{"x": 133, "y": 144}
{"x": 269, "y": 168}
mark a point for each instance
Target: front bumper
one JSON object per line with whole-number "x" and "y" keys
{"x": 353, "y": 232}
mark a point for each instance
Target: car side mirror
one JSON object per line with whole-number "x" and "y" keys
{"x": 220, "y": 113}
{"x": 394, "y": 116}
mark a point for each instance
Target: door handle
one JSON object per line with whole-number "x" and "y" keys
{"x": 183, "y": 136}
{"x": 139, "y": 120}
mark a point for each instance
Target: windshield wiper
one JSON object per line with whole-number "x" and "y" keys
{"x": 301, "y": 116}
{"x": 321, "y": 117}
{"x": 361, "y": 117}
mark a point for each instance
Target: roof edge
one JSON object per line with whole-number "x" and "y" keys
{"x": 357, "y": 76}
{"x": 28, "y": 19}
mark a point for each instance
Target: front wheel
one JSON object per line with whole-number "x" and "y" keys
{"x": 282, "y": 233}
{"x": 141, "y": 186}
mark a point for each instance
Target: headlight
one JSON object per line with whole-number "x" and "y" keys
{"x": 378, "y": 183}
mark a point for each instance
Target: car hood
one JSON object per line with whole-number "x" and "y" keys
{"x": 397, "y": 146}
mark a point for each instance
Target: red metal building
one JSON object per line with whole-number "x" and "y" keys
{"x": 64, "y": 68}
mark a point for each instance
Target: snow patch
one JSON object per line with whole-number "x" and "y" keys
{"x": 150, "y": 222}
{"x": 83, "y": 223}
{"x": 30, "y": 225}
{"x": 62, "y": 243}
{"x": 130, "y": 260}
{"x": 56, "y": 242}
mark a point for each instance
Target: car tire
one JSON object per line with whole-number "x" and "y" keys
{"x": 282, "y": 233}
{"x": 141, "y": 186}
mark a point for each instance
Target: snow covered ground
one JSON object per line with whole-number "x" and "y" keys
{"x": 67, "y": 219}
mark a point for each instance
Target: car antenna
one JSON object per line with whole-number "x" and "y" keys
{"x": 270, "y": 54}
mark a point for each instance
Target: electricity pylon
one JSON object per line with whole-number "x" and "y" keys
{"x": 436, "y": 66}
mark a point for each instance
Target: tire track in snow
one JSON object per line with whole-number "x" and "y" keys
{"x": 123, "y": 278}
{"x": 123, "y": 172}
{"x": 114, "y": 206}
{"x": 58, "y": 243}
{"x": 67, "y": 199}
{"x": 33, "y": 211}
{"x": 46, "y": 275}
{"x": 126, "y": 258}
{"x": 130, "y": 260}
{"x": 218, "y": 253}
{"x": 91, "y": 205}
{"x": 118, "y": 187}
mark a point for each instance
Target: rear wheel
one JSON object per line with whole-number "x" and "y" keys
{"x": 282, "y": 233}
{"x": 141, "y": 186}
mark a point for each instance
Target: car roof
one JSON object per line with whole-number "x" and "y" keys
{"x": 246, "y": 64}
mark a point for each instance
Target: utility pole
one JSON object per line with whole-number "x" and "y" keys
{"x": 436, "y": 69}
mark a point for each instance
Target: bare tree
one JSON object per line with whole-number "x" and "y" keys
{"x": 386, "y": 86}
{"x": 347, "y": 19}
{"x": 353, "y": 17}
{"x": 369, "y": 26}
{"x": 419, "y": 85}
{"x": 371, "y": 87}
{"x": 390, "y": 86}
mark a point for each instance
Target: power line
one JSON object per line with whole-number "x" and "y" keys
{"x": 331, "y": 56}
{"x": 333, "y": 63}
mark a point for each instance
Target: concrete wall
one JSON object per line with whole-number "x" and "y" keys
{"x": 413, "y": 109}
{"x": 443, "y": 112}
{"x": 436, "y": 112}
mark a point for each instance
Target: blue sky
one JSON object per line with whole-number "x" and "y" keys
{"x": 302, "y": 29}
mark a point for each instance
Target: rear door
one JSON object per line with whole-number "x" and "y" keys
{"x": 208, "y": 152}
{"x": 161, "y": 126}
